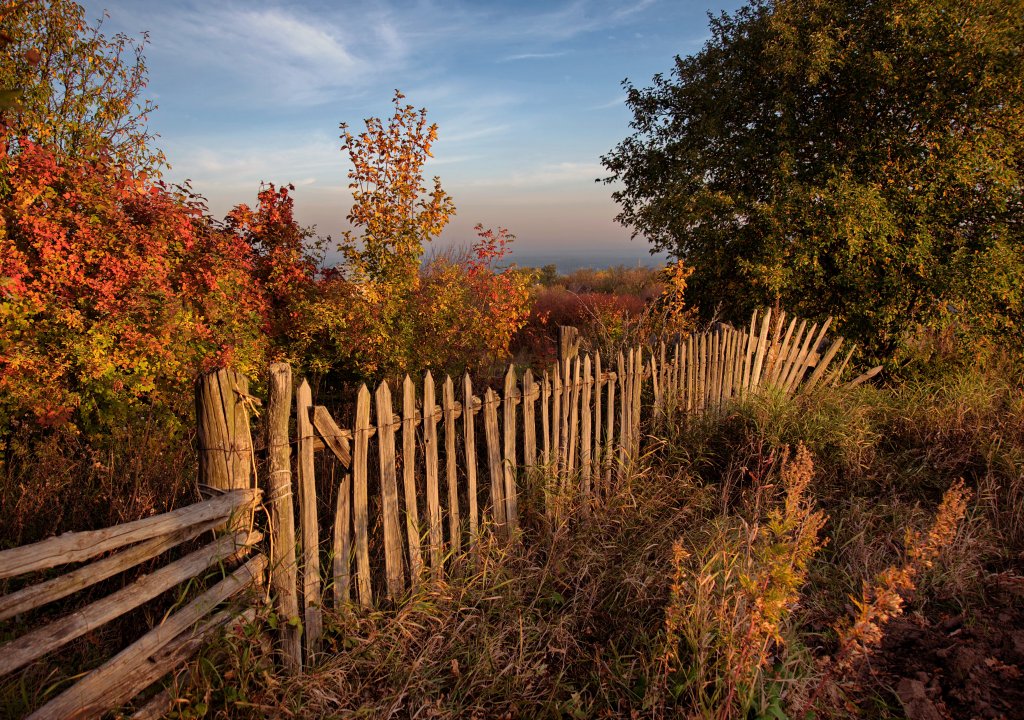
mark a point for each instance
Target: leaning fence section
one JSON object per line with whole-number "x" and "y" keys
{"x": 226, "y": 517}
{"x": 431, "y": 464}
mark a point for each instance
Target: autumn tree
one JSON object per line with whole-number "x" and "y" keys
{"x": 842, "y": 157}
{"x": 395, "y": 214}
{"x": 73, "y": 89}
{"x": 286, "y": 259}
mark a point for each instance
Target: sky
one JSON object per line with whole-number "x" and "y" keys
{"x": 527, "y": 97}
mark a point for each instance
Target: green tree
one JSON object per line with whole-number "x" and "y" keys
{"x": 848, "y": 157}
{"x": 70, "y": 87}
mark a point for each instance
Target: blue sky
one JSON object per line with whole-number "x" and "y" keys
{"x": 527, "y": 97}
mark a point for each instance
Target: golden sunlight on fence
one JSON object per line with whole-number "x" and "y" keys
{"x": 428, "y": 468}
{"x": 467, "y": 456}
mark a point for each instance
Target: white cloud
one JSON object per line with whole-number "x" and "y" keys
{"x": 617, "y": 102}
{"x": 279, "y": 54}
{"x": 534, "y": 56}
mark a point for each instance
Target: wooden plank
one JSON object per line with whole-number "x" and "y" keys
{"x": 715, "y": 390}
{"x": 864, "y": 377}
{"x": 795, "y": 369}
{"x": 738, "y": 360}
{"x": 598, "y": 418}
{"x": 494, "y": 459}
{"x": 790, "y": 356}
{"x": 341, "y": 544}
{"x": 780, "y": 350}
{"x": 674, "y": 376}
{"x": 509, "y": 426}
{"x": 412, "y": 513}
{"x": 563, "y": 461}
{"x": 177, "y": 652}
{"x": 451, "y": 475}
{"x": 73, "y": 547}
{"x": 586, "y": 413}
{"x": 334, "y": 438}
{"x": 609, "y": 434}
{"x": 436, "y": 534}
{"x": 690, "y": 361}
{"x": 805, "y": 357}
{"x": 748, "y": 361}
{"x": 545, "y": 422}
{"x": 655, "y": 385}
{"x": 469, "y": 445}
{"x": 574, "y": 417}
{"x": 360, "y": 497}
{"x": 730, "y": 364}
{"x": 139, "y": 665}
{"x": 529, "y": 420}
{"x": 637, "y": 398}
{"x": 624, "y": 405}
{"x": 41, "y": 641}
{"x": 394, "y": 568}
{"x": 822, "y": 366}
{"x": 663, "y": 377}
{"x": 556, "y": 423}
{"x": 309, "y": 523}
{"x": 837, "y": 374}
{"x": 283, "y": 564}
{"x": 59, "y": 587}
{"x": 699, "y": 376}
{"x": 762, "y": 348}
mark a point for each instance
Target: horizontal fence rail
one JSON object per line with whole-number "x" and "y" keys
{"x": 167, "y": 645}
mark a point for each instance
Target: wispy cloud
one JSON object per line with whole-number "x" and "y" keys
{"x": 617, "y": 102}
{"x": 534, "y": 56}
{"x": 279, "y": 54}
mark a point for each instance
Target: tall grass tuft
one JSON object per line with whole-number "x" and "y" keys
{"x": 732, "y": 595}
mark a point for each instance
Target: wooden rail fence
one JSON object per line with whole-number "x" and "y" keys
{"x": 574, "y": 430}
{"x": 420, "y": 483}
{"x": 227, "y": 518}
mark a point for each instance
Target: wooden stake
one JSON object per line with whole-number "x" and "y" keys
{"x": 436, "y": 535}
{"x": 452, "y": 477}
{"x": 360, "y": 504}
{"x": 509, "y": 423}
{"x": 412, "y": 513}
{"x": 469, "y": 445}
{"x": 311, "y": 599}
{"x": 393, "y": 566}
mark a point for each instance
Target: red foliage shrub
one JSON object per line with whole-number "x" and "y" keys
{"x": 602, "y": 319}
{"x": 112, "y": 290}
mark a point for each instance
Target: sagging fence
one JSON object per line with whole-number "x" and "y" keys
{"x": 465, "y": 459}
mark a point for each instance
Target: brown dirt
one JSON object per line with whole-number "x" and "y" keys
{"x": 960, "y": 666}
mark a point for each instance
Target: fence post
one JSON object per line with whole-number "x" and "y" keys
{"x": 283, "y": 570}
{"x": 222, "y": 425}
{"x": 568, "y": 343}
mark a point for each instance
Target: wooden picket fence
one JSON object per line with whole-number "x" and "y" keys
{"x": 573, "y": 430}
{"x": 570, "y": 432}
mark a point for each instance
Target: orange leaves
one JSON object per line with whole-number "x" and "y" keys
{"x": 394, "y": 211}
{"x": 112, "y": 295}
